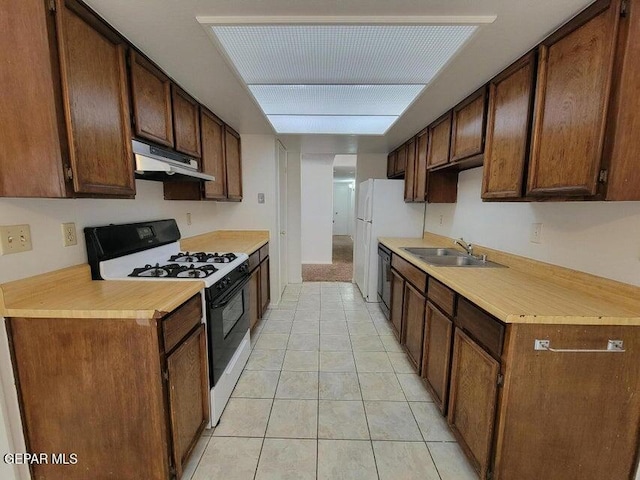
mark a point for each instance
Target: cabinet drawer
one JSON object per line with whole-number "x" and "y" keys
{"x": 486, "y": 330}
{"x": 264, "y": 252}
{"x": 411, "y": 273}
{"x": 442, "y": 296}
{"x": 181, "y": 321}
{"x": 254, "y": 260}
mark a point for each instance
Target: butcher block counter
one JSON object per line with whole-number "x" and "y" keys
{"x": 529, "y": 291}
{"x": 243, "y": 241}
{"x": 71, "y": 293}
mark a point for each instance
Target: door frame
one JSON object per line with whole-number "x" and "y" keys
{"x": 283, "y": 263}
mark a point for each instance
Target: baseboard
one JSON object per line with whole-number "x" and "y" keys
{"x": 317, "y": 263}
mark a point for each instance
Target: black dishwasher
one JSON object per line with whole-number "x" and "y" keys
{"x": 384, "y": 278}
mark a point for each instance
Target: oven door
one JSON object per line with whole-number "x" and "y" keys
{"x": 227, "y": 324}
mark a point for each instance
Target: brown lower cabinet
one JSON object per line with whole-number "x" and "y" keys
{"x": 413, "y": 320}
{"x": 259, "y": 284}
{"x": 472, "y": 400}
{"x": 255, "y": 310}
{"x": 436, "y": 360}
{"x": 517, "y": 412}
{"x": 128, "y": 396}
{"x": 397, "y": 295}
{"x": 265, "y": 297}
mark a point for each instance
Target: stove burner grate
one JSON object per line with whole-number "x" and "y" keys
{"x": 203, "y": 257}
{"x": 173, "y": 270}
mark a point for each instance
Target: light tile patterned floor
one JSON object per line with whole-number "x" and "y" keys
{"x": 328, "y": 394}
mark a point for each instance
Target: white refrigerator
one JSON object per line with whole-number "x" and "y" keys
{"x": 382, "y": 212}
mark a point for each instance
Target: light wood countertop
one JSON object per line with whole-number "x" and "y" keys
{"x": 530, "y": 291}
{"x": 71, "y": 293}
{"x": 244, "y": 241}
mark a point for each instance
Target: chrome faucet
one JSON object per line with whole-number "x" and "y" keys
{"x": 467, "y": 246}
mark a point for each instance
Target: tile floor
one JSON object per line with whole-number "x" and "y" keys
{"x": 328, "y": 393}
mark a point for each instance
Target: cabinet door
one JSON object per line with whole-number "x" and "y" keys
{"x": 186, "y": 122}
{"x": 255, "y": 312}
{"x": 413, "y": 317}
{"x": 420, "y": 182}
{"x": 401, "y": 161}
{"x": 96, "y": 102}
{"x": 188, "y": 395}
{"x": 409, "y": 176}
{"x": 472, "y": 400}
{"x": 28, "y": 116}
{"x": 572, "y": 91}
{"x": 264, "y": 286}
{"x": 438, "y": 337}
{"x": 213, "y": 155}
{"x": 467, "y": 131}
{"x": 439, "y": 140}
{"x": 234, "y": 164}
{"x": 622, "y": 145}
{"x": 391, "y": 164}
{"x": 508, "y": 127}
{"x": 397, "y": 294}
{"x": 151, "y": 98}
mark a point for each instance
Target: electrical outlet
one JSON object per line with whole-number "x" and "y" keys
{"x": 536, "y": 233}
{"x": 69, "y": 236}
{"x": 15, "y": 239}
{"x": 188, "y": 219}
{"x": 261, "y": 198}
{"x": 441, "y": 219}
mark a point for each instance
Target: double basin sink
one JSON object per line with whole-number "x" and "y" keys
{"x": 449, "y": 257}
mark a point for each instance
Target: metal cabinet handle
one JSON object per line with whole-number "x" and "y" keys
{"x": 613, "y": 346}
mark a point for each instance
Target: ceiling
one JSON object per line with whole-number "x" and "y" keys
{"x": 167, "y": 31}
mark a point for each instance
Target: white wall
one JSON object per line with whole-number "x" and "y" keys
{"x": 294, "y": 235}
{"x": 602, "y": 238}
{"x": 316, "y": 175}
{"x": 259, "y": 170}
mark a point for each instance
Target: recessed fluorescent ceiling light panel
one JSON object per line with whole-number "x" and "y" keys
{"x": 334, "y": 99}
{"x": 358, "y": 71}
{"x": 332, "y": 124}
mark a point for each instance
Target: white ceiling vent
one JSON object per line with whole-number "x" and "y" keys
{"x": 338, "y": 78}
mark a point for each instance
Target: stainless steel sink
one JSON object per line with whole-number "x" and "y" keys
{"x": 449, "y": 257}
{"x": 433, "y": 252}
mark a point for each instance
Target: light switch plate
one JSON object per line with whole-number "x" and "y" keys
{"x": 15, "y": 239}
{"x": 69, "y": 236}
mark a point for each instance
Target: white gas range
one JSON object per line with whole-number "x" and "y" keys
{"x": 150, "y": 251}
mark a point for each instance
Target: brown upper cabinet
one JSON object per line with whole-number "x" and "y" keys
{"x": 621, "y": 178}
{"x": 508, "y": 127}
{"x": 391, "y": 164}
{"x": 410, "y": 171}
{"x": 575, "y": 69}
{"x": 439, "y": 141}
{"x": 401, "y": 161}
{"x": 420, "y": 182}
{"x": 54, "y": 141}
{"x": 469, "y": 120}
{"x": 234, "y": 163}
{"x": 213, "y": 161}
{"x": 186, "y": 122}
{"x": 221, "y": 157}
{"x": 151, "y": 98}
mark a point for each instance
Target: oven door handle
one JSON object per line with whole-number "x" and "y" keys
{"x": 229, "y": 296}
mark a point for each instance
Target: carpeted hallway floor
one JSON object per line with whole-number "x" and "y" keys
{"x": 341, "y": 270}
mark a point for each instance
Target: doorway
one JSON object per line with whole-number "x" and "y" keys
{"x": 340, "y": 197}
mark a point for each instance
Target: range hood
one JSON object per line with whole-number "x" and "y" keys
{"x": 159, "y": 164}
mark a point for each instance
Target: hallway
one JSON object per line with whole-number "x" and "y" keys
{"x": 341, "y": 268}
